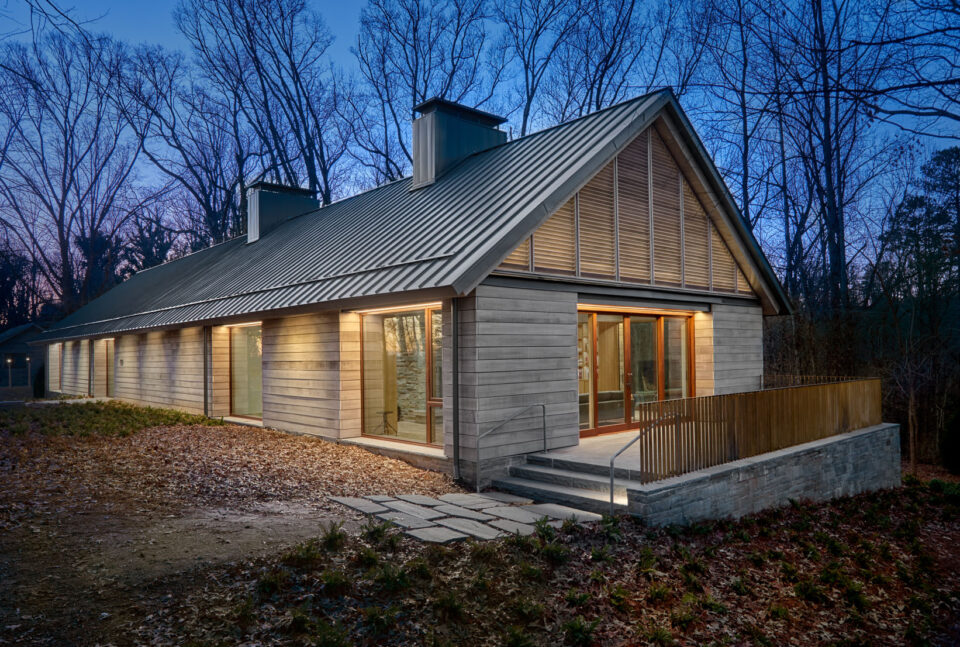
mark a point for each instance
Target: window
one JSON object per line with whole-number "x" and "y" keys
{"x": 628, "y": 359}
{"x": 246, "y": 371}
{"x": 402, "y": 374}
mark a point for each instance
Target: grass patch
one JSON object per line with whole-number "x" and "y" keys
{"x": 102, "y": 418}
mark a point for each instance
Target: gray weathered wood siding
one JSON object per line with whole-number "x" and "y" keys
{"x": 161, "y": 369}
{"x": 737, "y": 348}
{"x": 100, "y": 368}
{"x": 518, "y": 347}
{"x": 76, "y": 367}
{"x": 301, "y": 380}
{"x": 218, "y": 371}
{"x": 703, "y": 353}
{"x": 53, "y": 367}
{"x": 350, "y": 382}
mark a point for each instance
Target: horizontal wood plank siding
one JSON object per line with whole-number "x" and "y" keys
{"x": 301, "y": 377}
{"x": 53, "y": 367}
{"x": 511, "y": 358}
{"x": 696, "y": 241}
{"x": 555, "y": 242}
{"x": 161, "y": 369}
{"x": 100, "y": 368}
{"x": 633, "y": 206}
{"x": 598, "y": 226}
{"x": 667, "y": 251}
{"x": 76, "y": 367}
{"x": 737, "y": 348}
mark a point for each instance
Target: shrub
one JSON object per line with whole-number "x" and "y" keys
{"x": 392, "y": 578}
{"x": 448, "y": 606}
{"x": 658, "y": 593}
{"x": 530, "y": 572}
{"x": 619, "y": 598}
{"x": 304, "y": 556}
{"x": 544, "y": 530}
{"x": 808, "y": 590}
{"x": 335, "y": 583}
{"x": 601, "y": 554}
{"x": 374, "y": 531}
{"x": 555, "y": 553}
{"x": 516, "y": 637}
{"x": 272, "y": 582}
{"x": 577, "y": 598}
{"x": 660, "y": 636}
{"x": 333, "y": 538}
{"x": 740, "y": 587}
{"x": 380, "y": 619}
{"x": 710, "y": 604}
{"x": 579, "y": 632}
{"x": 326, "y": 634}
{"x": 778, "y": 612}
{"x": 526, "y": 610}
{"x": 366, "y": 557}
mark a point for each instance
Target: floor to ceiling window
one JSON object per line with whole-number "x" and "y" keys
{"x": 627, "y": 359}
{"x": 402, "y": 374}
{"x": 246, "y": 371}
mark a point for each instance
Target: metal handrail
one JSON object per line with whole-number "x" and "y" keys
{"x": 643, "y": 430}
{"x": 543, "y": 424}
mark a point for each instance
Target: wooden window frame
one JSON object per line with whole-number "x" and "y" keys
{"x": 432, "y": 402}
{"x": 230, "y": 373}
{"x": 660, "y": 316}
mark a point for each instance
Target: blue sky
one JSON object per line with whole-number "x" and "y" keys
{"x": 150, "y": 21}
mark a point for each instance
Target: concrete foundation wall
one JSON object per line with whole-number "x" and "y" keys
{"x": 859, "y": 461}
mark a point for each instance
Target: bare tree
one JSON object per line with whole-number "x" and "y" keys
{"x": 274, "y": 54}
{"x": 534, "y": 31}
{"x": 409, "y": 51}
{"x": 64, "y": 181}
{"x": 200, "y": 142}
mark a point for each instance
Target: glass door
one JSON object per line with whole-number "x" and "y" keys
{"x": 627, "y": 360}
{"x": 610, "y": 394}
{"x": 246, "y": 371}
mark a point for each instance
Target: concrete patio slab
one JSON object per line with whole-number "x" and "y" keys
{"x": 506, "y": 497}
{"x": 464, "y": 513}
{"x": 513, "y": 527}
{"x": 362, "y": 504}
{"x": 379, "y": 497}
{"x": 436, "y": 535}
{"x": 473, "y": 501}
{"x": 519, "y": 514}
{"x": 413, "y": 509}
{"x": 561, "y": 512}
{"x": 473, "y": 528}
{"x": 405, "y": 520}
{"x": 420, "y": 499}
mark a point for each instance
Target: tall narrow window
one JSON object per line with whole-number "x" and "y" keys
{"x": 403, "y": 375}
{"x": 246, "y": 371}
{"x": 676, "y": 382}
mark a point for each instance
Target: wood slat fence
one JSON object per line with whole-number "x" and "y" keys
{"x": 706, "y": 431}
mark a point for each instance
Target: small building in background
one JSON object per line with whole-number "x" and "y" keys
{"x": 21, "y": 364}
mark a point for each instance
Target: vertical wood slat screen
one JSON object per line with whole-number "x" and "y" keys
{"x": 619, "y": 232}
{"x": 555, "y": 242}
{"x": 633, "y": 211}
{"x": 667, "y": 257}
{"x": 696, "y": 241}
{"x": 724, "y": 266}
{"x": 717, "y": 429}
{"x": 597, "y": 226}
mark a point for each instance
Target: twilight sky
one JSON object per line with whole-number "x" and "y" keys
{"x": 150, "y": 21}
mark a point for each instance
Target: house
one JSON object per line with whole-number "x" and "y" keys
{"x": 520, "y": 296}
{"x": 21, "y": 364}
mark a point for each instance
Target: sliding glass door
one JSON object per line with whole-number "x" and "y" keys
{"x": 626, "y": 360}
{"x": 402, "y": 375}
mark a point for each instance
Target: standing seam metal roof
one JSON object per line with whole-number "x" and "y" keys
{"x": 385, "y": 240}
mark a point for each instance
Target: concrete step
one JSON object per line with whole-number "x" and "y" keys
{"x": 569, "y": 478}
{"x": 582, "y": 499}
{"x": 546, "y": 460}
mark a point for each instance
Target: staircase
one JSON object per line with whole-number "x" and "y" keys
{"x": 577, "y": 484}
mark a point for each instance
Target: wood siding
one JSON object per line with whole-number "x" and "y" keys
{"x": 76, "y": 367}
{"x": 53, "y": 367}
{"x": 301, "y": 380}
{"x": 605, "y": 230}
{"x": 737, "y": 348}
{"x": 100, "y": 368}
{"x": 518, "y": 347}
{"x": 161, "y": 369}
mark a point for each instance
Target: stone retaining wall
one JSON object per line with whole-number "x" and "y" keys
{"x": 859, "y": 461}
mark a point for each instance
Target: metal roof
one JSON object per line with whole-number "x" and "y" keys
{"x": 390, "y": 239}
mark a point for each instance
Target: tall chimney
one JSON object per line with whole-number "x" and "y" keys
{"x": 269, "y": 205}
{"x": 446, "y": 133}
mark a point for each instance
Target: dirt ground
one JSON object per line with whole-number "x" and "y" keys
{"x": 95, "y": 532}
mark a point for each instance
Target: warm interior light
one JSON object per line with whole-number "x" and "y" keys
{"x": 244, "y": 325}
{"x": 412, "y": 306}
{"x": 590, "y": 307}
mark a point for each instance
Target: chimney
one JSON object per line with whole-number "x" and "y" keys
{"x": 445, "y": 133}
{"x": 270, "y": 205}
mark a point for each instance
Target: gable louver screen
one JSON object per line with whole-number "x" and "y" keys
{"x": 519, "y": 258}
{"x": 597, "y": 226}
{"x": 555, "y": 242}
{"x": 633, "y": 203}
{"x": 666, "y": 215}
{"x": 724, "y": 267}
{"x": 696, "y": 241}
{"x": 608, "y": 224}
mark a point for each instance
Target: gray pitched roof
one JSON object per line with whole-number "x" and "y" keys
{"x": 386, "y": 240}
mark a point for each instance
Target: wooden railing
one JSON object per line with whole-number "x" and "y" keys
{"x": 718, "y": 429}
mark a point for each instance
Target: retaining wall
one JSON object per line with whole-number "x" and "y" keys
{"x": 859, "y": 461}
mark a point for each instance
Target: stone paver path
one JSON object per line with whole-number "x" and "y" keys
{"x": 453, "y": 517}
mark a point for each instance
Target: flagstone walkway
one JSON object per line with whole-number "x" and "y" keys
{"x": 453, "y": 517}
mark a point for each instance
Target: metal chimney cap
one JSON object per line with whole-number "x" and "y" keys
{"x": 281, "y": 188}
{"x": 443, "y": 105}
